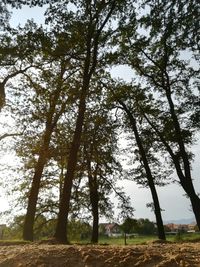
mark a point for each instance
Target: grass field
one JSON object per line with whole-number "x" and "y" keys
{"x": 120, "y": 240}
{"x": 143, "y": 239}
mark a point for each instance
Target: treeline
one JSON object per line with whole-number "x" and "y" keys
{"x": 79, "y": 230}
{"x": 69, "y": 112}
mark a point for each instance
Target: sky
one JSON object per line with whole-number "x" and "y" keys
{"x": 172, "y": 200}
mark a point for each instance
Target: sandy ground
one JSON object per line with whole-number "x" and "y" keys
{"x": 151, "y": 255}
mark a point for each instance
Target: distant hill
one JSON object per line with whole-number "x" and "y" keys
{"x": 181, "y": 221}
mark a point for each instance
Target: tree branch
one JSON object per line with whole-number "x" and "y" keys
{"x": 9, "y": 135}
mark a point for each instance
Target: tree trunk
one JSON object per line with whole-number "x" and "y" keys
{"x": 61, "y": 227}
{"x": 157, "y": 209}
{"x": 51, "y": 122}
{"x": 185, "y": 181}
{"x": 94, "y": 196}
{"x": 95, "y": 214}
{"x": 90, "y": 62}
{"x": 34, "y": 191}
{"x": 195, "y": 201}
{"x": 94, "y": 199}
{"x": 32, "y": 200}
{"x": 125, "y": 242}
{"x": 159, "y": 221}
{"x": 194, "y": 198}
{"x": 62, "y": 221}
{"x": 185, "y": 178}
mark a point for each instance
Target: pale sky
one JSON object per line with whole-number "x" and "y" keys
{"x": 172, "y": 201}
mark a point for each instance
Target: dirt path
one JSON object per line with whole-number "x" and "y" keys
{"x": 151, "y": 255}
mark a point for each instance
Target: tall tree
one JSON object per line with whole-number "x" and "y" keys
{"x": 158, "y": 58}
{"x": 54, "y": 112}
{"x": 102, "y": 168}
{"x": 49, "y": 99}
{"x": 127, "y": 101}
{"x": 91, "y": 32}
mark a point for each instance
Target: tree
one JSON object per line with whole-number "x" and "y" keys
{"x": 14, "y": 230}
{"x": 44, "y": 104}
{"x": 146, "y": 227}
{"x": 79, "y": 230}
{"x": 91, "y": 19}
{"x": 128, "y": 227}
{"x": 127, "y": 97}
{"x": 42, "y": 228}
{"x": 102, "y": 168}
{"x": 53, "y": 114}
{"x": 170, "y": 81}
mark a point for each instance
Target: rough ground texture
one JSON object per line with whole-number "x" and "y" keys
{"x": 151, "y": 255}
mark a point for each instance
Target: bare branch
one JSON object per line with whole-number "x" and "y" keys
{"x": 9, "y": 135}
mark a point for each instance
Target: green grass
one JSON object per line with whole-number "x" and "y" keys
{"x": 141, "y": 239}
{"x": 129, "y": 241}
{"x": 193, "y": 237}
{"x": 189, "y": 237}
{"x": 119, "y": 240}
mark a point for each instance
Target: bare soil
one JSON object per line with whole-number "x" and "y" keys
{"x": 154, "y": 254}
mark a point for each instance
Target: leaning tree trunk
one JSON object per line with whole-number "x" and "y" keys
{"x": 43, "y": 154}
{"x": 90, "y": 63}
{"x": 157, "y": 209}
{"x": 34, "y": 191}
{"x": 61, "y": 227}
{"x": 185, "y": 178}
{"x": 64, "y": 205}
{"x": 194, "y": 198}
{"x": 195, "y": 202}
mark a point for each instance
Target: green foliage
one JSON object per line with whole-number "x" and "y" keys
{"x": 14, "y": 230}
{"x": 4, "y": 16}
{"x": 79, "y": 230}
{"x": 146, "y": 227}
{"x": 31, "y": 3}
{"x": 129, "y": 226}
{"x": 43, "y": 228}
{"x": 140, "y": 226}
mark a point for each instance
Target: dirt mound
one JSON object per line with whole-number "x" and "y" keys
{"x": 151, "y": 255}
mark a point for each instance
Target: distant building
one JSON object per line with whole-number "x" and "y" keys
{"x": 172, "y": 227}
{"x": 110, "y": 229}
{"x": 192, "y": 227}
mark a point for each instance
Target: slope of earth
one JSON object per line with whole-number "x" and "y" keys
{"x": 151, "y": 255}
